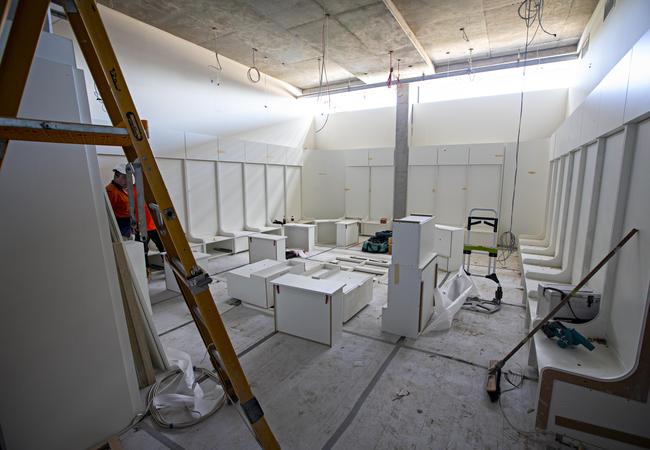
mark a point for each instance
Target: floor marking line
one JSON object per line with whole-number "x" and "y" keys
{"x": 429, "y": 352}
{"x": 256, "y": 344}
{"x": 362, "y": 398}
{"x": 157, "y": 435}
{"x": 374, "y": 338}
{"x": 175, "y": 328}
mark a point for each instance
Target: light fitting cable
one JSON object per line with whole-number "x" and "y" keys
{"x": 253, "y": 73}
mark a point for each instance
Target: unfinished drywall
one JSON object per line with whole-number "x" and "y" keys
{"x": 68, "y": 379}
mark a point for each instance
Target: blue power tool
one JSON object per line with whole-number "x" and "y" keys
{"x": 567, "y": 337}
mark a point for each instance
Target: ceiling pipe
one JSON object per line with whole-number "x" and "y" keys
{"x": 453, "y": 73}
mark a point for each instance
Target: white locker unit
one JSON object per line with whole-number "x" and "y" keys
{"x": 449, "y": 247}
{"x": 300, "y": 235}
{"x": 251, "y": 283}
{"x": 326, "y": 231}
{"x": 413, "y": 240}
{"x": 410, "y": 298}
{"x": 347, "y": 232}
{"x": 266, "y": 246}
{"x": 309, "y": 308}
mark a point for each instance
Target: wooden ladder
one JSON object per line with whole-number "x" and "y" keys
{"x": 128, "y": 132}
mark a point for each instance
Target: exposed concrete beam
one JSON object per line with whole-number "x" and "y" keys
{"x": 401, "y": 155}
{"x": 409, "y": 33}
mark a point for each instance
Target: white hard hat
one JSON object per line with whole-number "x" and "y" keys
{"x": 120, "y": 167}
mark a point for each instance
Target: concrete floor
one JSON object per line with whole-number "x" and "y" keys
{"x": 373, "y": 390}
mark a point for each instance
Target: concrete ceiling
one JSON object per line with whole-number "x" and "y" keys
{"x": 287, "y": 33}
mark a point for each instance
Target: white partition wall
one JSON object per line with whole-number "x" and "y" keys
{"x": 230, "y": 191}
{"x": 201, "y": 198}
{"x": 275, "y": 192}
{"x": 293, "y": 184}
{"x": 357, "y": 192}
{"x": 255, "y": 195}
{"x": 606, "y": 207}
{"x": 589, "y": 154}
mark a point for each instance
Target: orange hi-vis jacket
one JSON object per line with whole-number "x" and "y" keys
{"x": 120, "y": 202}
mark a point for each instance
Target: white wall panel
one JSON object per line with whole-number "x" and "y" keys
{"x": 275, "y": 192}
{"x": 294, "y": 195}
{"x": 201, "y": 146}
{"x": 172, "y": 174}
{"x": 421, "y": 190}
{"x": 357, "y": 192}
{"x": 589, "y": 124}
{"x": 276, "y": 154}
{"x": 574, "y": 128}
{"x": 294, "y": 156}
{"x": 167, "y": 143}
{"x": 453, "y": 154}
{"x": 255, "y": 152}
{"x": 486, "y": 153}
{"x": 232, "y": 150}
{"x": 451, "y": 195}
{"x": 356, "y": 157}
{"x": 607, "y": 204}
{"x": 586, "y": 204}
{"x": 202, "y": 198}
{"x": 380, "y": 156}
{"x": 613, "y": 90}
{"x": 638, "y": 90}
{"x": 423, "y": 156}
{"x": 231, "y": 196}
{"x": 483, "y": 187}
{"x": 255, "y": 192}
{"x": 381, "y": 192}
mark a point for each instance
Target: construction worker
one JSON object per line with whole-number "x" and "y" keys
{"x": 119, "y": 198}
{"x": 152, "y": 233}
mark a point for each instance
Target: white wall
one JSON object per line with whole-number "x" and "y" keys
{"x": 173, "y": 86}
{"x": 608, "y": 42}
{"x": 468, "y": 121}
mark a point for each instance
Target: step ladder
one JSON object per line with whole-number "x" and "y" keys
{"x": 127, "y": 132}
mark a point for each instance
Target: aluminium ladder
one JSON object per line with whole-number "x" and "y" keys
{"x": 128, "y": 132}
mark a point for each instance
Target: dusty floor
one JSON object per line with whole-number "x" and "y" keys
{"x": 374, "y": 390}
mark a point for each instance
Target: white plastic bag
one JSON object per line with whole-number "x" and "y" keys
{"x": 449, "y": 299}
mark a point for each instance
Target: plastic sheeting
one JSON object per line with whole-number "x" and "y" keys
{"x": 450, "y": 299}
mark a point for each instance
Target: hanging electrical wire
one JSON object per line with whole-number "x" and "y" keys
{"x": 389, "y": 82}
{"x": 531, "y": 12}
{"x": 469, "y": 63}
{"x": 253, "y": 73}
{"x": 398, "y": 74}
{"x": 217, "y": 66}
{"x": 464, "y": 34}
{"x": 322, "y": 71}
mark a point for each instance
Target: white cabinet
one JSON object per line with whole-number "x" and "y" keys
{"x": 453, "y": 155}
{"x": 380, "y": 157}
{"x": 232, "y": 150}
{"x": 326, "y": 231}
{"x": 410, "y": 298}
{"x": 411, "y": 277}
{"x": 486, "y": 154}
{"x": 299, "y": 235}
{"x": 251, "y": 283}
{"x": 309, "y": 308}
{"x": 266, "y": 246}
{"x": 347, "y": 232}
{"x": 356, "y": 157}
{"x": 413, "y": 240}
{"x": 449, "y": 247}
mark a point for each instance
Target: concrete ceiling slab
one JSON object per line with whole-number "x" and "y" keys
{"x": 287, "y": 33}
